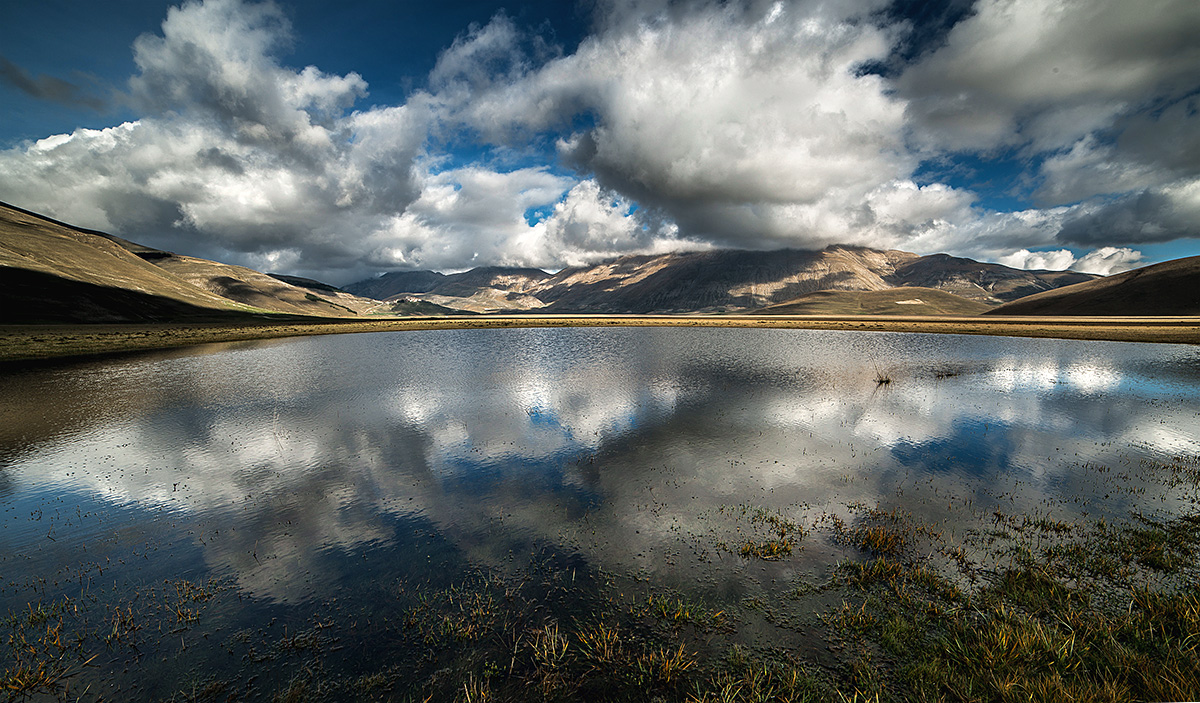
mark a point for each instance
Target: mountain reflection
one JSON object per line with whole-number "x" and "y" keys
{"x": 623, "y": 445}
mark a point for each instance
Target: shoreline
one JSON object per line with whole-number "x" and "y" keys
{"x": 40, "y": 342}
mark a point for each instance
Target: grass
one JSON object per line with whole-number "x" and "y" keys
{"x": 43, "y": 652}
{"x": 1046, "y": 624}
{"x": 1041, "y": 610}
{"x": 772, "y": 537}
{"x": 1044, "y": 627}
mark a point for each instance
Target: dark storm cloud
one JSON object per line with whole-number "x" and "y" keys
{"x": 47, "y": 87}
{"x": 1157, "y": 215}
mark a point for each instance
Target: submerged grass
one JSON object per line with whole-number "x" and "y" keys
{"x": 1047, "y": 626}
{"x": 764, "y": 534}
{"x": 1041, "y": 610}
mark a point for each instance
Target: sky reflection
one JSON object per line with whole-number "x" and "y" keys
{"x": 624, "y": 446}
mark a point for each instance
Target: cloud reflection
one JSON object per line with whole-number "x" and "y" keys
{"x": 623, "y": 445}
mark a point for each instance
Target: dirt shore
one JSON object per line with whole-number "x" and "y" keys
{"x": 31, "y": 342}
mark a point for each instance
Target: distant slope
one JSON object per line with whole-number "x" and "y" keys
{"x": 56, "y": 272}
{"x": 396, "y": 283}
{"x": 724, "y": 280}
{"x": 53, "y": 272}
{"x": 894, "y": 301}
{"x": 250, "y": 287}
{"x": 1169, "y": 288}
{"x": 421, "y": 308}
{"x": 989, "y": 283}
{"x": 455, "y": 285}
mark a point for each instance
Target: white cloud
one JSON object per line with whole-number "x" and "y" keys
{"x": 238, "y": 157}
{"x": 1050, "y": 72}
{"x": 745, "y": 131}
{"x": 476, "y": 216}
{"x": 689, "y": 124}
{"x": 591, "y": 224}
{"x": 1103, "y": 261}
{"x": 1060, "y": 260}
{"x": 1108, "y": 260}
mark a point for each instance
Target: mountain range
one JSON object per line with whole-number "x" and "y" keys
{"x": 52, "y": 272}
{"x": 722, "y": 281}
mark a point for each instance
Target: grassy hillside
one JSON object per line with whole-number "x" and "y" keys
{"x": 893, "y": 301}
{"x": 53, "y": 272}
{"x": 1169, "y": 288}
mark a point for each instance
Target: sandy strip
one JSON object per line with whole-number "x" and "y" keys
{"x": 29, "y": 342}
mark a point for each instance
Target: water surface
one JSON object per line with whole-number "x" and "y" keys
{"x": 318, "y": 485}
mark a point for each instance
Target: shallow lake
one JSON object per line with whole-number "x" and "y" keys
{"x": 355, "y": 509}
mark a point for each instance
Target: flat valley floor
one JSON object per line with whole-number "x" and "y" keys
{"x": 33, "y": 342}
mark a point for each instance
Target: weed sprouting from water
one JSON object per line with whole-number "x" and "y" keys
{"x": 43, "y": 653}
{"x": 782, "y": 536}
{"x": 1048, "y": 626}
{"x": 1026, "y": 607}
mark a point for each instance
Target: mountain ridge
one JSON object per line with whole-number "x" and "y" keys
{"x": 724, "y": 280}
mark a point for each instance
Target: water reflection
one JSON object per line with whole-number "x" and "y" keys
{"x": 277, "y": 463}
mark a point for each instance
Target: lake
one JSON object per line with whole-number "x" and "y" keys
{"x": 374, "y": 516}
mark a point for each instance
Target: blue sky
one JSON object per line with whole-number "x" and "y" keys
{"x": 340, "y": 141}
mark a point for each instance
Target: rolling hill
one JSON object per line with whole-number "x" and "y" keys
{"x": 893, "y": 301}
{"x": 53, "y": 272}
{"x": 1169, "y": 288}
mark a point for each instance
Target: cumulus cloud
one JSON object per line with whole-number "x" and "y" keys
{"x": 1060, "y": 260}
{"x": 675, "y": 124}
{"x": 1103, "y": 261}
{"x": 1105, "y": 91}
{"x": 748, "y": 125}
{"x": 1108, "y": 260}
{"x": 1049, "y": 72}
{"x": 756, "y": 125}
{"x": 237, "y": 157}
{"x": 475, "y": 216}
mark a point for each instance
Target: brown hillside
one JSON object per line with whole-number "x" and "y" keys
{"x": 53, "y": 272}
{"x": 250, "y": 287}
{"x": 1169, "y": 288}
{"x": 894, "y": 301}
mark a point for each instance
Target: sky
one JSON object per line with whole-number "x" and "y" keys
{"x": 339, "y": 141}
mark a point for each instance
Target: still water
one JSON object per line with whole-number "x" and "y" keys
{"x": 262, "y": 509}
